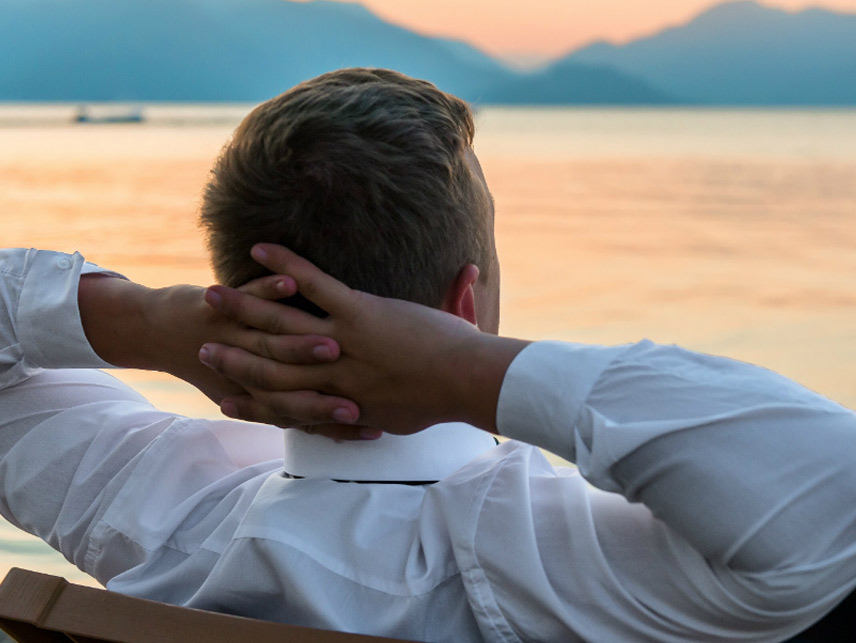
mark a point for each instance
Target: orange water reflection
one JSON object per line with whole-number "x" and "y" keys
{"x": 751, "y": 256}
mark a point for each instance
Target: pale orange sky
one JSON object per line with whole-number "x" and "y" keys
{"x": 548, "y": 28}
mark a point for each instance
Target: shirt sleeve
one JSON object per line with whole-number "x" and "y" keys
{"x": 40, "y": 323}
{"x": 78, "y": 447}
{"x": 743, "y": 469}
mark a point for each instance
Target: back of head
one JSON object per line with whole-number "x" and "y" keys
{"x": 361, "y": 171}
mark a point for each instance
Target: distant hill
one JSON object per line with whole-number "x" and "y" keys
{"x": 744, "y": 53}
{"x": 568, "y": 82}
{"x": 249, "y": 50}
{"x": 738, "y": 53}
{"x": 206, "y": 50}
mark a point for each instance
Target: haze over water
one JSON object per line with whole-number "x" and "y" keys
{"x": 727, "y": 231}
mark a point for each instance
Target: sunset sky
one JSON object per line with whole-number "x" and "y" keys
{"x": 542, "y": 29}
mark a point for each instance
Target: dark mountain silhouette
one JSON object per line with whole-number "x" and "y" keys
{"x": 567, "y": 82}
{"x": 249, "y": 50}
{"x": 740, "y": 53}
{"x": 202, "y": 49}
{"x": 744, "y": 53}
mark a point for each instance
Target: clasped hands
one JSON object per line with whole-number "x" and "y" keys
{"x": 372, "y": 365}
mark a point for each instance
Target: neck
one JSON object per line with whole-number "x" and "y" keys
{"x": 426, "y": 456}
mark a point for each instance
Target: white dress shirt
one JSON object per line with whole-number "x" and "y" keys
{"x": 724, "y": 509}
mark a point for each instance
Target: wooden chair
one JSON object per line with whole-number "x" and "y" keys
{"x": 39, "y": 608}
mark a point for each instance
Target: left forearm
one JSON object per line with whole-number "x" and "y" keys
{"x": 132, "y": 326}
{"x": 114, "y": 316}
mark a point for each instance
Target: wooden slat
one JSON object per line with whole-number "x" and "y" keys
{"x": 30, "y": 633}
{"x": 35, "y": 607}
{"x": 29, "y": 594}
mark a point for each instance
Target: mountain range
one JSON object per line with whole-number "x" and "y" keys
{"x": 248, "y": 50}
{"x": 743, "y": 53}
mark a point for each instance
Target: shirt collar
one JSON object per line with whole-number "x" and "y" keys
{"x": 426, "y": 456}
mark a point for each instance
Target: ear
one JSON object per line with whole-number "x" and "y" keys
{"x": 460, "y": 298}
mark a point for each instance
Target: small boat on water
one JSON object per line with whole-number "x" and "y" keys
{"x": 108, "y": 114}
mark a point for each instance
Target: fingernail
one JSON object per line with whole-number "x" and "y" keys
{"x": 344, "y": 415}
{"x": 284, "y": 286}
{"x": 322, "y": 351}
{"x": 370, "y": 434}
{"x": 205, "y": 355}
{"x": 258, "y": 253}
{"x": 213, "y": 298}
{"x": 229, "y": 409}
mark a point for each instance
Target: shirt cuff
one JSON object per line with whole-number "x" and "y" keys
{"x": 544, "y": 389}
{"x": 50, "y": 330}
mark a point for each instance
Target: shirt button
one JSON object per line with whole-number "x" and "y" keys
{"x": 63, "y": 264}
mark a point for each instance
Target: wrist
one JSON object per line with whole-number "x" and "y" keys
{"x": 483, "y": 363}
{"x": 176, "y": 322}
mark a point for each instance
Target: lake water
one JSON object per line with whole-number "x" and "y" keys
{"x": 727, "y": 231}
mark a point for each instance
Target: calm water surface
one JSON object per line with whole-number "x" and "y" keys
{"x": 727, "y": 231}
